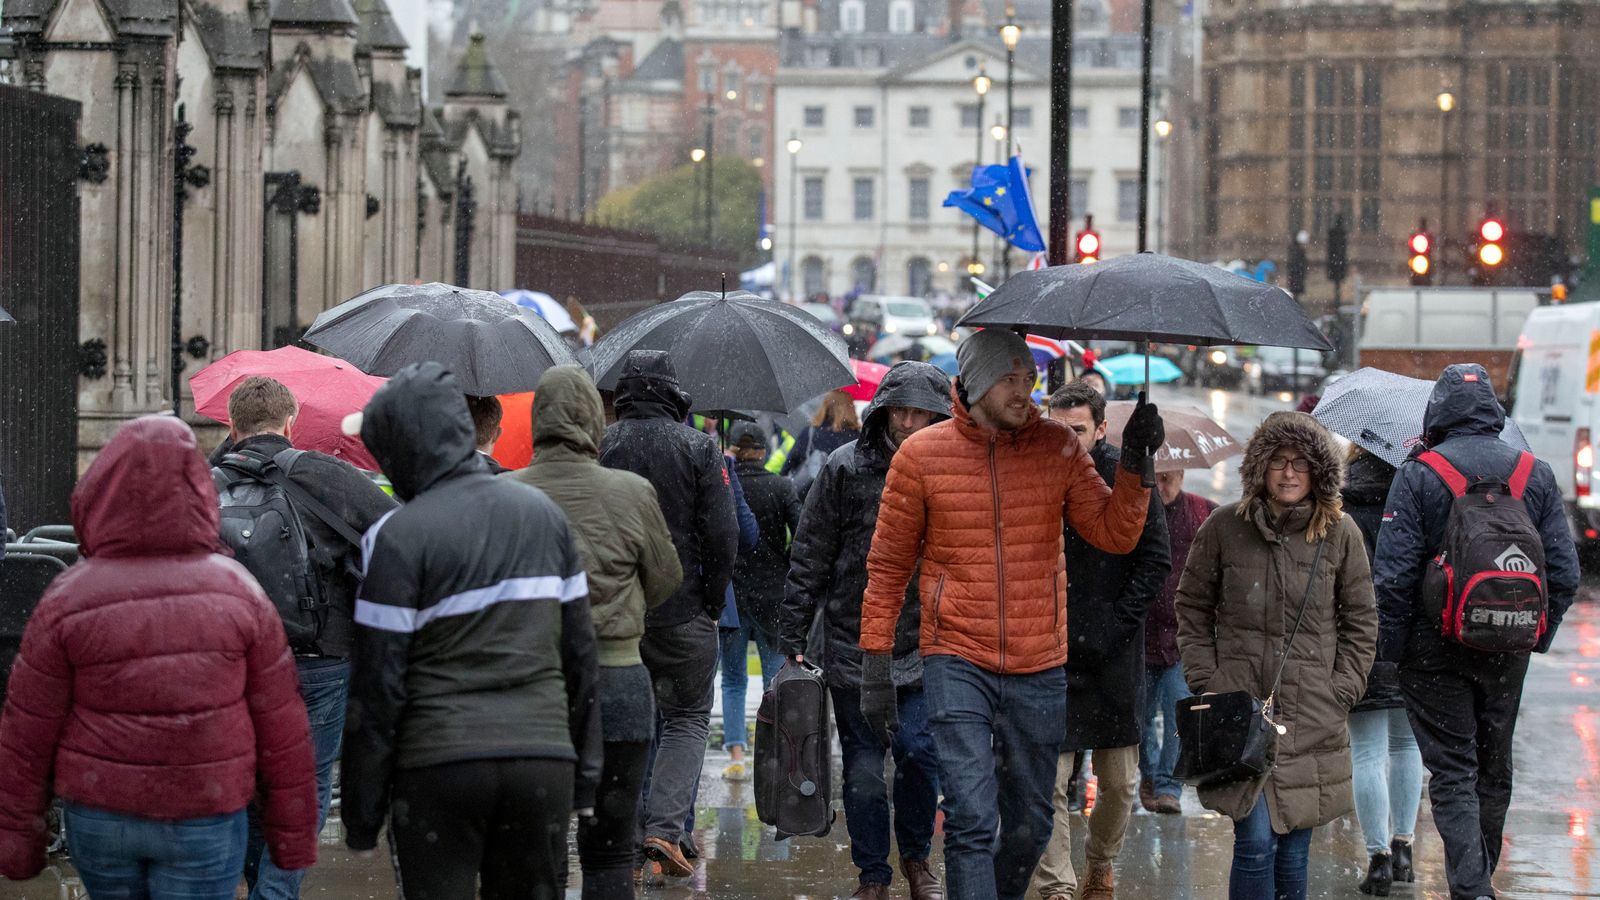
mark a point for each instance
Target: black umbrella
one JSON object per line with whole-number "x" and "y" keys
{"x": 491, "y": 345}
{"x": 733, "y": 351}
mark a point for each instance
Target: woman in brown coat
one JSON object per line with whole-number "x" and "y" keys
{"x": 1246, "y": 577}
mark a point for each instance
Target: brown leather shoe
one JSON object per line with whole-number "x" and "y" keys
{"x": 871, "y": 892}
{"x": 923, "y": 883}
{"x": 1169, "y": 805}
{"x": 1099, "y": 884}
{"x": 669, "y": 855}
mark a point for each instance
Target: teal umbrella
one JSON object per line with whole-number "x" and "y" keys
{"x": 1129, "y": 368}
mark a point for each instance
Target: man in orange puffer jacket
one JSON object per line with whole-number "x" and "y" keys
{"x": 979, "y": 502}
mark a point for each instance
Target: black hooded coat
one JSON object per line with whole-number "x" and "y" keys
{"x": 649, "y": 439}
{"x": 828, "y": 560}
{"x": 473, "y": 636}
{"x": 1366, "y": 486}
{"x": 1463, "y": 423}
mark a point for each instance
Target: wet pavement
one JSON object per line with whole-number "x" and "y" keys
{"x": 1550, "y": 844}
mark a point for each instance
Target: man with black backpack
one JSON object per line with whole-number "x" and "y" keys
{"x": 294, "y": 518}
{"x": 1475, "y": 567}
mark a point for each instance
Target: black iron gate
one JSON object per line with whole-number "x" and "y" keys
{"x": 39, "y": 287}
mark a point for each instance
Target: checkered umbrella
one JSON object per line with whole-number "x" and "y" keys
{"x": 1382, "y": 413}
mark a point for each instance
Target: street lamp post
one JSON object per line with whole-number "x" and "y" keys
{"x": 1447, "y": 102}
{"x": 793, "y": 146}
{"x": 981, "y": 84}
{"x": 711, "y": 153}
{"x": 1000, "y": 134}
{"x": 1163, "y": 129}
{"x": 1010, "y": 34}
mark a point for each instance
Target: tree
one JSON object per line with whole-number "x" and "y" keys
{"x": 672, "y": 206}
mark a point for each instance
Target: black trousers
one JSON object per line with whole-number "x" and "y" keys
{"x": 501, "y": 820}
{"x": 1463, "y": 708}
{"x": 606, "y": 843}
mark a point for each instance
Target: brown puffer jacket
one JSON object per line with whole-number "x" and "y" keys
{"x": 982, "y": 510}
{"x": 1241, "y": 589}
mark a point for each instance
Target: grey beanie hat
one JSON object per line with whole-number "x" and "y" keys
{"x": 988, "y": 356}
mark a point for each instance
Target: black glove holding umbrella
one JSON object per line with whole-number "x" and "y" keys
{"x": 490, "y": 344}
{"x": 1148, "y": 297}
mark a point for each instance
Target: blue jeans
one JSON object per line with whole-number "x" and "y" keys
{"x": 1267, "y": 866}
{"x": 998, "y": 739}
{"x": 1158, "y": 753}
{"x": 1388, "y": 776}
{"x": 736, "y": 678}
{"x": 866, "y": 796}
{"x": 324, "y": 686}
{"x": 122, "y": 857}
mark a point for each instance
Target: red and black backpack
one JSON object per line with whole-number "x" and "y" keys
{"x": 1486, "y": 588}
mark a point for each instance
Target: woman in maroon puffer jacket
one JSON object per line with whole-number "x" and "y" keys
{"x": 154, "y": 692}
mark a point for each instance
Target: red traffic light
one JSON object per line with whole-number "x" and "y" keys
{"x": 1492, "y": 230}
{"x": 1420, "y": 242}
{"x": 1088, "y": 244}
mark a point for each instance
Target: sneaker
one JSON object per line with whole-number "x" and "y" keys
{"x": 669, "y": 856}
{"x": 736, "y": 771}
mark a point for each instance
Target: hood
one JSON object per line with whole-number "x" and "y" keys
{"x": 1462, "y": 403}
{"x": 148, "y": 493}
{"x": 567, "y": 412}
{"x": 1303, "y": 433}
{"x": 648, "y": 388}
{"x": 1366, "y": 480}
{"x": 914, "y": 384}
{"x": 418, "y": 428}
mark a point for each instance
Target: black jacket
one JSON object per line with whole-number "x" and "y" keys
{"x": 1107, "y": 599}
{"x": 1463, "y": 422}
{"x": 1366, "y": 487}
{"x": 473, "y": 637}
{"x": 351, "y": 496}
{"x": 685, "y": 466}
{"x": 760, "y": 572}
{"x": 828, "y": 561}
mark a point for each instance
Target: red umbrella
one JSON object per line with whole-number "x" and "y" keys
{"x": 327, "y": 387}
{"x": 868, "y": 376}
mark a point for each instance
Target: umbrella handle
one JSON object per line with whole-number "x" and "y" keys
{"x": 1147, "y": 474}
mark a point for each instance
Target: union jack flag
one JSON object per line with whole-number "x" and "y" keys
{"x": 1046, "y": 346}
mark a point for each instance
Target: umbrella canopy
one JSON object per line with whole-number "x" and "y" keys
{"x": 732, "y": 351}
{"x": 868, "y": 376}
{"x": 328, "y": 389}
{"x": 490, "y": 344}
{"x": 897, "y": 344}
{"x": 1194, "y": 439}
{"x": 1382, "y": 413}
{"x": 1129, "y": 368}
{"x": 1148, "y": 297}
{"x": 547, "y": 307}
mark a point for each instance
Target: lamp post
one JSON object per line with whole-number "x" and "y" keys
{"x": 1010, "y": 34}
{"x": 793, "y": 146}
{"x": 1447, "y": 102}
{"x": 1000, "y": 134}
{"x": 1146, "y": 44}
{"x": 981, "y": 84}
{"x": 1163, "y": 129}
{"x": 710, "y": 156}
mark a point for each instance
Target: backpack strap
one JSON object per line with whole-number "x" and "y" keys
{"x": 277, "y": 473}
{"x": 1519, "y": 476}
{"x": 1453, "y": 479}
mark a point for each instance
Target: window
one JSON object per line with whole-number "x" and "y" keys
{"x": 730, "y": 80}
{"x": 969, "y": 115}
{"x": 1127, "y": 199}
{"x": 813, "y": 192}
{"x": 811, "y": 275}
{"x": 1335, "y": 130}
{"x": 862, "y": 193}
{"x": 708, "y": 78}
{"x": 758, "y": 96}
{"x": 813, "y": 117}
{"x": 920, "y": 117}
{"x": 756, "y": 139}
{"x": 919, "y": 276}
{"x": 917, "y": 193}
{"x": 1022, "y": 117}
{"x": 1127, "y": 117}
{"x": 864, "y": 116}
{"x": 852, "y": 17}
{"x": 1079, "y": 199}
{"x": 1080, "y": 117}
{"x": 902, "y": 17}
{"x": 863, "y": 274}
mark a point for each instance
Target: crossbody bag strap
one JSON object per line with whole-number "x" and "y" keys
{"x": 1311, "y": 582}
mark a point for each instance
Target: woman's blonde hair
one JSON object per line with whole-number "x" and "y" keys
{"x": 838, "y": 413}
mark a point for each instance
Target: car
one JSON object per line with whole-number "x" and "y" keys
{"x": 911, "y": 316}
{"x": 1213, "y": 367}
{"x": 1273, "y": 369}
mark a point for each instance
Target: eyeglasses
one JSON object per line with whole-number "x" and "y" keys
{"x": 1278, "y": 464}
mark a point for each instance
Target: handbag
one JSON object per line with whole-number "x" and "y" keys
{"x": 1230, "y": 736}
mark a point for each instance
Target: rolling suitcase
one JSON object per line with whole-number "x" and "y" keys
{"x": 793, "y": 777}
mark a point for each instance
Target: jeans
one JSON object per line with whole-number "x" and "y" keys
{"x": 1388, "y": 776}
{"x": 1158, "y": 753}
{"x": 122, "y": 857}
{"x": 324, "y": 686}
{"x": 682, "y": 660}
{"x": 1266, "y": 865}
{"x": 736, "y": 678}
{"x": 1117, "y": 769}
{"x": 866, "y": 796}
{"x": 998, "y": 738}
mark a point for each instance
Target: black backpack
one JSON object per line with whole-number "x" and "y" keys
{"x": 261, "y": 524}
{"x": 1486, "y": 588}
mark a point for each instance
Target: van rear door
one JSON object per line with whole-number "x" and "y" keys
{"x": 1550, "y": 403}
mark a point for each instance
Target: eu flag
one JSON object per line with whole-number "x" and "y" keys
{"x": 999, "y": 200}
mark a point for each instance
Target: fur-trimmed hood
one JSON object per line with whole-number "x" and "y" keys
{"x": 1306, "y": 434}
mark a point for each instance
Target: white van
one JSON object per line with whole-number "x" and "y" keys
{"x": 1555, "y": 380}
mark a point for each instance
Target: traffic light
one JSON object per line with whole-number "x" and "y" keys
{"x": 1490, "y": 251}
{"x": 1421, "y": 263}
{"x": 1087, "y": 243}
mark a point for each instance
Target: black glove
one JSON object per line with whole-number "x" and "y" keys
{"x": 878, "y": 697}
{"x": 1142, "y": 436}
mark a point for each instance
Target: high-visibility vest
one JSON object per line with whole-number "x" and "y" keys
{"x": 776, "y": 458}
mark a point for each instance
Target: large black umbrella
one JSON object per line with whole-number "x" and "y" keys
{"x": 1382, "y": 412}
{"x": 491, "y": 345}
{"x": 733, "y": 351}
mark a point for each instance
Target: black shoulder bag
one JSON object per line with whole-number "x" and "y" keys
{"x": 1230, "y": 736}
